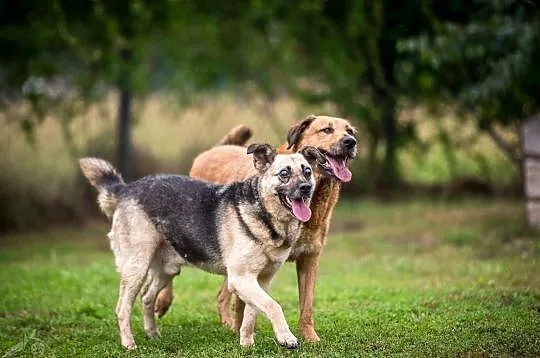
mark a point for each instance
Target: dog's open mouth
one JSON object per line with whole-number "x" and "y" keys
{"x": 298, "y": 207}
{"x": 336, "y": 165}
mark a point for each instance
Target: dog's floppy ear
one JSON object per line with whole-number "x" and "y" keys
{"x": 313, "y": 156}
{"x": 295, "y": 133}
{"x": 263, "y": 156}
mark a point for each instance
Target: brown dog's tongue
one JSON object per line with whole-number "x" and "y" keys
{"x": 300, "y": 210}
{"x": 340, "y": 169}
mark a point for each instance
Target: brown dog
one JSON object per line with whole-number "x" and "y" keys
{"x": 226, "y": 163}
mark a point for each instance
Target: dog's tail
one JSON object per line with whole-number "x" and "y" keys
{"x": 106, "y": 180}
{"x": 239, "y": 135}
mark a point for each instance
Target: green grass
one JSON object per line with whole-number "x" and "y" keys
{"x": 419, "y": 279}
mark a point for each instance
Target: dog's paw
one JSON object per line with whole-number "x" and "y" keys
{"x": 228, "y": 322}
{"x": 309, "y": 334}
{"x": 288, "y": 341}
{"x": 152, "y": 333}
{"x": 129, "y": 345}
{"x": 246, "y": 341}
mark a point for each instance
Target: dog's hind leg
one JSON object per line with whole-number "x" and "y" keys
{"x": 164, "y": 300}
{"x": 132, "y": 276}
{"x": 158, "y": 278}
{"x": 134, "y": 241}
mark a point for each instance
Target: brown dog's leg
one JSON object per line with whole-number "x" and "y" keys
{"x": 224, "y": 298}
{"x": 164, "y": 300}
{"x": 224, "y": 305}
{"x": 239, "y": 307}
{"x": 306, "y": 270}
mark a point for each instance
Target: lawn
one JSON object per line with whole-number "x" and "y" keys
{"x": 417, "y": 278}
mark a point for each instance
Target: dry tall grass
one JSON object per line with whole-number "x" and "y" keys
{"x": 41, "y": 181}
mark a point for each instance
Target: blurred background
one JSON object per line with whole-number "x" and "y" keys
{"x": 429, "y": 252}
{"x": 437, "y": 90}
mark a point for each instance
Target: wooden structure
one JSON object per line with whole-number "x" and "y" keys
{"x": 531, "y": 169}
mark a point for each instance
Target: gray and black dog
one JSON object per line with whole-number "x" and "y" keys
{"x": 244, "y": 230}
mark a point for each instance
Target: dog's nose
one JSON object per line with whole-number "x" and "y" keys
{"x": 349, "y": 142}
{"x": 305, "y": 188}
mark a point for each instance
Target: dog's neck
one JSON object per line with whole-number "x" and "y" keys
{"x": 322, "y": 204}
{"x": 267, "y": 208}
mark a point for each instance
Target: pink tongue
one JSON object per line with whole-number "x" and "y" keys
{"x": 340, "y": 170}
{"x": 300, "y": 210}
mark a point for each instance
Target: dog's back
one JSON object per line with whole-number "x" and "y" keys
{"x": 223, "y": 164}
{"x": 177, "y": 205}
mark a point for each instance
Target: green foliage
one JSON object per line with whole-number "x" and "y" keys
{"x": 461, "y": 237}
{"x": 363, "y": 59}
{"x": 483, "y": 57}
{"x": 61, "y": 56}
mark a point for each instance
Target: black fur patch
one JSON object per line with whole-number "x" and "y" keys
{"x": 184, "y": 211}
{"x": 267, "y": 221}
{"x": 245, "y": 226}
{"x": 249, "y": 194}
{"x": 111, "y": 181}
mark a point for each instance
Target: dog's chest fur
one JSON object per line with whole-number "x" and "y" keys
{"x": 314, "y": 232}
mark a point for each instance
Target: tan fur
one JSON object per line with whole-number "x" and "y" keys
{"x": 225, "y": 164}
{"x": 239, "y": 135}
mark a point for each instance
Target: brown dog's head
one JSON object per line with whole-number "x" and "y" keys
{"x": 334, "y": 137}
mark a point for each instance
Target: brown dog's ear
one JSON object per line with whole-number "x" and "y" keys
{"x": 295, "y": 133}
{"x": 263, "y": 156}
{"x": 313, "y": 156}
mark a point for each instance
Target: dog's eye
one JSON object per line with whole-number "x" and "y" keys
{"x": 328, "y": 130}
{"x": 350, "y": 131}
{"x": 284, "y": 174}
{"x": 307, "y": 172}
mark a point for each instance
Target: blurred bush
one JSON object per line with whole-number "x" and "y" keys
{"x": 41, "y": 184}
{"x": 35, "y": 195}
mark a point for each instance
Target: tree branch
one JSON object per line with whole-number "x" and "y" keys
{"x": 507, "y": 149}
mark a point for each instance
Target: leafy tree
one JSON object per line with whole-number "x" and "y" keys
{"x": 345, "y": 53}
{"x": 64, "y": 55}
{"x": 483, "y": 57}
{"x": 135, "y": 46}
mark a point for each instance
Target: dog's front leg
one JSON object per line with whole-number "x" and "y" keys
{"x": 248, "y": 289}
{"x": 307, "y": 266}
{"x": 247, "y": 325}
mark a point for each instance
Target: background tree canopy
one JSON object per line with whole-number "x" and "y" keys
{"x": 482, "y": 58}
{"x": 364, "y": 57}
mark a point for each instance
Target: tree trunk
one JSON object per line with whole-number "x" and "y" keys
{"x": 389, "y": 176}
{"x": 123, "y": 153}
